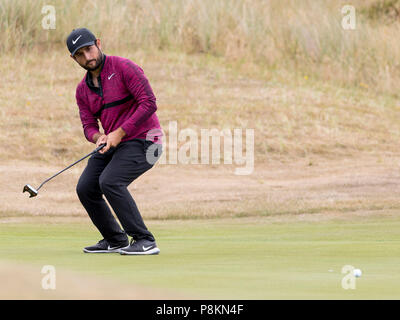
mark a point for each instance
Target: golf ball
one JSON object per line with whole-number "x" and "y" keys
{"x": 357, "y": 273}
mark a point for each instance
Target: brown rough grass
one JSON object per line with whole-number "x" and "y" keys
{"x": 303, "y": 37}
{"x": 291, "y": 120}
{"x": 189, "y": 192}
{"x": 318, "y": 147}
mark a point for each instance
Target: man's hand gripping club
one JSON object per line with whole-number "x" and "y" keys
{"x": 113, "y": 139}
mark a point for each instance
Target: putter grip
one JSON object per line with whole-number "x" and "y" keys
{"x": 100, "y": 147}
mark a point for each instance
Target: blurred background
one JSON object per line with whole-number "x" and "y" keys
{"x": 288, "y": 69}
{"x": 316, "y": 94}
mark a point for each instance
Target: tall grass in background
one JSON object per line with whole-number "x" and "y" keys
{"x": 303, "y": 37}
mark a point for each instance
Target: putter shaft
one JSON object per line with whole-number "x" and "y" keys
{"x": 33, "y": 192}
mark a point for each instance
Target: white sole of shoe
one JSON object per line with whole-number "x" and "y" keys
{"x": 101, "y": 251}
{"x": 148, "y": 252}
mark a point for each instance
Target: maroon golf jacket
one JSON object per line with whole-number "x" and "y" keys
{"x": 124, "y": 99}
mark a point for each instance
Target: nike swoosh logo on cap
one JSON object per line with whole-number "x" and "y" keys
{"x": 74, "y": 41}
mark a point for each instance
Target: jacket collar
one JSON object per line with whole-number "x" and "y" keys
{"x": 89, "y": 80}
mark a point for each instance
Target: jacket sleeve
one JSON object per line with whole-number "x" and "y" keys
{"x": 139, "y": 87}
{"x": 89, "y": 122}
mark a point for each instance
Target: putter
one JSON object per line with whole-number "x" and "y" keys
{"x": 33, "y": 192}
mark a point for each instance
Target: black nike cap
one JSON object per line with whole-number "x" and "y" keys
{"x": 79, "y": 38}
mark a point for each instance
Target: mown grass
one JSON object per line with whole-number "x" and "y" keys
{"x": 228, "y": 259}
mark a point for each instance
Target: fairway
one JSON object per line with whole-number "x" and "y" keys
{"x": 286, "y": 257}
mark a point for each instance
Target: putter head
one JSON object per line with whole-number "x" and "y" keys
{"x": 32, "y": 191}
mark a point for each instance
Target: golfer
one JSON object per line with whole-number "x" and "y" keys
{"x": 116, "y": 92}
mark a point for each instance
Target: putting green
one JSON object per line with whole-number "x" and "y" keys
{"x": 228, "y": 259}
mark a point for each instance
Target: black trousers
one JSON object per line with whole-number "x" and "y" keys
{"x": 110, "y": 174}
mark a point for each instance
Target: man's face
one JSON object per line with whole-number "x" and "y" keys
{"x": 90, "y": 57}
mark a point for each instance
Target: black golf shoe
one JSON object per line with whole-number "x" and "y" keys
{"x": 104, "y": 247}
{"x": 140, "y": 247}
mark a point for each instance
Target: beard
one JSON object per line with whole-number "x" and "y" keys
{"x": 98, "y": 61}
